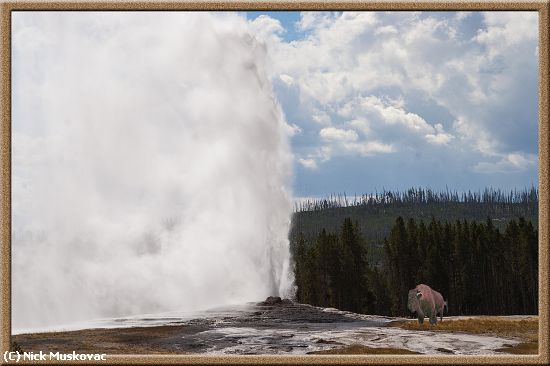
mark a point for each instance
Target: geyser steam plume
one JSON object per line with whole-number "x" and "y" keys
{"x": 150, "y": 161}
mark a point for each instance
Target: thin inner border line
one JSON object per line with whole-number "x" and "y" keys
{"x": 542, "y": 7}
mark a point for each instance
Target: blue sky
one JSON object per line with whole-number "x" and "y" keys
{"x": 399, "y": 99}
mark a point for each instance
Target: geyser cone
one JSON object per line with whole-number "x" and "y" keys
{"x": 149, "y": 166}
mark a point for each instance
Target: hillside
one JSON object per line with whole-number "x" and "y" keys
{"x": 376, "y": 213}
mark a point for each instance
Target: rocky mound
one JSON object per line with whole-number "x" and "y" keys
{"x": 274, "y": 300}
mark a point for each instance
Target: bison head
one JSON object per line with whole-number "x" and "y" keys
{"x": 413, "y": 302}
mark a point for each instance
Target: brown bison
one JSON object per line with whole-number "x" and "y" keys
{"x": 424, "y": 301}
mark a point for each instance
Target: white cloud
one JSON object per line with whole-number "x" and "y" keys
{"x": 336, "y": 134}
{"x": 474, "y": 134}
{"x": 324, "y": 153}
{"x": 392, "y": 114}
{"x": 509, "y": 163}
{"x": 308, "y": 163}
{"x": 287, "y": 79}
{"x": 293, "y": 129}
{"x": 440, "y": 137}
{"x": 368, "y": 148}
{"x": 505, "y": 29}
{"x": 361, "y": 124}
{"x": 461, "y": 15}
{"x": 386, "y": 29}
{"x": 321, "y": 154}
{"x": 320, "y": 117}
{"x": 346, "y": 142}
{"x": 266, "y": 28}
{"x": 313, "y": 19}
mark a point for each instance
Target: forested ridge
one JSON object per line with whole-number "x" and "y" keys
{"x": 375, "y": 213}
{"x": 481, "y": 266}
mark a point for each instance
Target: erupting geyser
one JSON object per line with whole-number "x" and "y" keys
{"x": 150, "y": 161}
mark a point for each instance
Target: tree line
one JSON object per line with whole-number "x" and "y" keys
{"x": 477, "y": 268}
{"x": 377, "y": 212}
{"x": 420, "y": 196}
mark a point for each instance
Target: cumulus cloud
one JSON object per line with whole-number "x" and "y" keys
{"x": 391, "y": 114}
{"x": 460, "y": 83}
{"x": 336, "y": 134}
{"x": 505, "y": 29}
{"x": 267, "y": 28}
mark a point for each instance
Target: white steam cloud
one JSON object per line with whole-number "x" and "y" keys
{"x": 150, "y": 160}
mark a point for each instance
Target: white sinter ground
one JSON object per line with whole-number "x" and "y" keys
{"x": 224, "y": 333}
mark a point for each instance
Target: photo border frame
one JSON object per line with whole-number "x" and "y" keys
{"x": 541, "y": 6}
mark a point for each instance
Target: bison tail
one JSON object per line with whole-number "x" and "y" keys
{"x": 445, "y": 306}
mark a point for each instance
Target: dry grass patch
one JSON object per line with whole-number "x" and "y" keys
{"x": 526, "y": 329}
{"x": 357, "y": 349}
{"x": 525, "y": 348}
{"x": 495, "y": 325}
{"x": 136, "y": 340}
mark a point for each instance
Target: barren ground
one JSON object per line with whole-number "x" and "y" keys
{"x": 290, "y": 328}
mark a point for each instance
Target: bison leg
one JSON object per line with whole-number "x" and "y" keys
{"x": 440, "y": 312}
{"x": 420, "y": 315}
{"x": 433, "y": 317}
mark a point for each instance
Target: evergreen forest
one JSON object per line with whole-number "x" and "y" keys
{"x": 480, "y": 250}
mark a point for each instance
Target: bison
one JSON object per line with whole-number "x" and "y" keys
{"x": 424, "y": 301}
